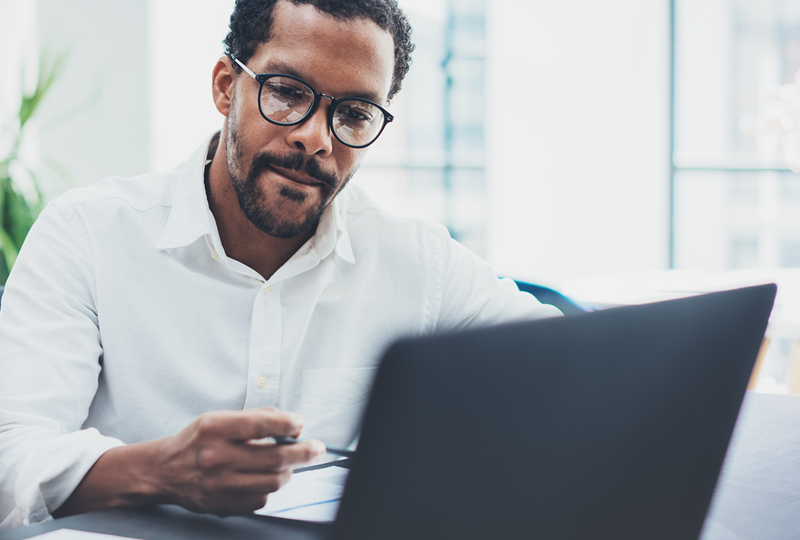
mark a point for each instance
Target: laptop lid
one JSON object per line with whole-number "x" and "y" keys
{"x": 612, "y": 424}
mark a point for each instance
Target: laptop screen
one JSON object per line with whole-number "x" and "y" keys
{"x": 612, "y": 424}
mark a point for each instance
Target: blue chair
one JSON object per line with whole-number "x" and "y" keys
{"x": 546, "y": 295}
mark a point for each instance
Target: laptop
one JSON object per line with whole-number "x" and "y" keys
{"x": 612, "y": 424}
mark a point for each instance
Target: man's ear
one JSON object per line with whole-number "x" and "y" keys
{"x": 222, "y": 79}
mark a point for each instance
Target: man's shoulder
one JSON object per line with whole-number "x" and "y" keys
{"x": 139, "y": 193}
{"x": 365, "y": 215}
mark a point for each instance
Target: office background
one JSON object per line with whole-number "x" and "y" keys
{"x": 536, "y": 130}
{"x": 558, "y": 140}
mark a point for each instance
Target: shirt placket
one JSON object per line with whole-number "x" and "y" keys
{"x": 264, "y": 366}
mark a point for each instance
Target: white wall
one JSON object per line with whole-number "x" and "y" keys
{"x": 185, "y": 44}
{"x": 18, "y": 43}
{"x": 18, "y": 48}
{"x": 136, "y": 94}
{"x": 577, "y": 119}
{"x": 94, "y": 123}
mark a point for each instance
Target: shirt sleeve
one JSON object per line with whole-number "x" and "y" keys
{"x": 473, "y": 296}
{"x": 50, "y": 358}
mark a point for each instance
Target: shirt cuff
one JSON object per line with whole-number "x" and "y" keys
{"x": 52, "y": 472}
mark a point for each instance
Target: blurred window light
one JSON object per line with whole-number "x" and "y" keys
{"x": 431, "y": 161}
{"x": 735, "y": 200}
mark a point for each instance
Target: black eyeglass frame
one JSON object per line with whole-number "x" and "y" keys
{"x": 261, "y": 78}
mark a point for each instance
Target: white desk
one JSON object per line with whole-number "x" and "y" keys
{"x": 758, "y": 493}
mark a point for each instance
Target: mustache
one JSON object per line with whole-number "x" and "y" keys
{"x": 293, "y": 162}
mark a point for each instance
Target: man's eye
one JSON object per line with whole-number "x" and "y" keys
{"x": 285, "y": 92}
{"x": 289, "y": 91}
{"x": 354, "y": 115}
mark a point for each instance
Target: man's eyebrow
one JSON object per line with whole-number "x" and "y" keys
{"x": 276, "y": 66}
{"x": 280, "y": 67}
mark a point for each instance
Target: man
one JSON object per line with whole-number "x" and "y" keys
{"x": 249, "y": 280}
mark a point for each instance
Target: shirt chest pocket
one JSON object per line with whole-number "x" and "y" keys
{"x": 333, "y": 401}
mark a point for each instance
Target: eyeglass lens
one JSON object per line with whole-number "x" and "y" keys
{"x": 286, "y": 101}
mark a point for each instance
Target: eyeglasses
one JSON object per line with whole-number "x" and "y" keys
{"x": 285, "y": 100}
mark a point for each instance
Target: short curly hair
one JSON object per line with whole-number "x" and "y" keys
{"x": 251, "y": 22}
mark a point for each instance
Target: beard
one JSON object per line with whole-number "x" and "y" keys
{"x": 260, "y": 207}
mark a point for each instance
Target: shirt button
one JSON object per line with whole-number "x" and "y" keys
{"x": 268, "y": 289}
{"x": 215, "y": 254}
{"x": 261, "y": 381}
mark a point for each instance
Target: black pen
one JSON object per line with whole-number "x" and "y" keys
{"x": 331, "y": 450}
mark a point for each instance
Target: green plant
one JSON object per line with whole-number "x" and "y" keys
{"x": 18, "y": 209}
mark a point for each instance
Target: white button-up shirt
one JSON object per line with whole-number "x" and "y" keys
{"x": 123, "y": 320}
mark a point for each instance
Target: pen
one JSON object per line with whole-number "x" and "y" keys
{"x": 331, "y": 450}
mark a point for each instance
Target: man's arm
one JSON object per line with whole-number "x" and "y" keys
{"x": 473, "y": 296}
{"x": 50, "y": 362}
{"x": 213, "y": 466}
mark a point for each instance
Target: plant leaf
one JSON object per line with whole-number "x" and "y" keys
{"x": 9, "y": 251}
{"x": 17, "y": 212}
{"x": 5, "y": 185}
{"x": 50, "y": 68}
{"x": 4, "y": 271}
{"x": 19, "y": 217}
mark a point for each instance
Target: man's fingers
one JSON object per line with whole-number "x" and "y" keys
{"x": 217, "y": 464}
{"x": 248, "y": 425}
{"x": 245, "y": 484}
{"x": 257, "y": 457}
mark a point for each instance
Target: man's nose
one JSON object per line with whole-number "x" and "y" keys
{"x": 313, "y": 136}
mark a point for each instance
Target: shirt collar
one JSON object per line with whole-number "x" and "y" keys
{"x": 332, "y": 233}
{"x": 191, "y": 217}
{"x": 343, "y": 247}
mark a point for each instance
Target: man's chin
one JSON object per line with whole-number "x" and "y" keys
{"x": 289, "y": 223}
{"x": 281, "y": 207}
{"x": 294, "y": 194}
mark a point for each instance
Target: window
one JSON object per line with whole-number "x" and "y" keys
{"x": 735, "y": 203}
{"x": 439, "y": 171}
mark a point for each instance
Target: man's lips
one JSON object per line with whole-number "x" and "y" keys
{"x": 296, "y": 178}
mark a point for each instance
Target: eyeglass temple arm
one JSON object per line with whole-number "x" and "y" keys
{"x": 244, "y": 67}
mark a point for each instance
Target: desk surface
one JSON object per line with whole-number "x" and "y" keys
{"x": 757, "y": 497}
{"x": 758, "y": 493}
{"x": 173, "y": 522}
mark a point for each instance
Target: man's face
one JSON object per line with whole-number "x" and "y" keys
{"x": 285, "y": 176}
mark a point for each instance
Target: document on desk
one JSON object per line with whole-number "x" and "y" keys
{"x": 311, "y": 495}
{"x": 71, "y": 534}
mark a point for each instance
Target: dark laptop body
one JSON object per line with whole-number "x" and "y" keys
{"x": 612, "y": 424}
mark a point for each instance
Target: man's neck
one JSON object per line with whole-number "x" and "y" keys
{"x": 242, "y": 240}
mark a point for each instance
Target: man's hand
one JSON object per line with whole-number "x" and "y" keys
{"x": 214, "y": 465}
